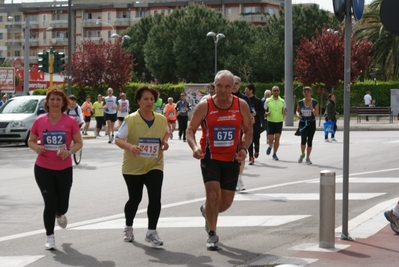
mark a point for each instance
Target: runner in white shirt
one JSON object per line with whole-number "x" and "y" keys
{"x": 124, "y": 108}
{"x": 110, "y": 110}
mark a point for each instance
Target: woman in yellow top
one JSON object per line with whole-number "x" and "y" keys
{"x": 143, "y": 136}
{"x": 87, "y": 109}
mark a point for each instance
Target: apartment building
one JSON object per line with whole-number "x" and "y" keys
{"x": 95, "y": 19}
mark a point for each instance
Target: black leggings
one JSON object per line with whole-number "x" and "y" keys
{"x": 307, "y": 133}
{"x": 255, "y": 140}
{"x": 55, "y": 187}
{"x": 153, "y": 181}
{"x": 183, "y": 120}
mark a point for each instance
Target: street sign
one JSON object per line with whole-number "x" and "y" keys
{"x": 358, "y": 7}
{"x": 7, "y": 80}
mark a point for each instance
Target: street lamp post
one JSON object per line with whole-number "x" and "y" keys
{"x": 216, "y": 38}
{"x": 11, "y": 18}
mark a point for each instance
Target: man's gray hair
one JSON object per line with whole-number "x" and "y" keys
{"x": 222, "y": 73}
{"x": 267, "y": 92}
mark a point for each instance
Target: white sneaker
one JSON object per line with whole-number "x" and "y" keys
{"x": 154, "y": 239}
{"x": 333, "y": 140}
{"x": 128, "y": 234}
{"x": 327, "y": 140}
{"x": 49, "y": 243}
{"x": 62, "y": 221}
{"x": 240, "y": 186}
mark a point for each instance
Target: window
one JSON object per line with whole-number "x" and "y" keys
{"x": 98, "y": 33}
{"x": 1, "y": 53}
{"x": 109, "y": 17}
{"x": 44, "y": 20}
{"x": 109, "y": 34}
{"x": 17, "y": 17}
{"x": 1, "y": 18}
{"x": 44, "y": 37}
{"x": 249, "y": 9}
{"x": 271, "y": 11}
{"x": 228, "y": 11}
{"x": 1, "y": 36}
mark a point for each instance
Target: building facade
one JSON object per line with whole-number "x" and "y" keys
{"x": 48, "y": 21}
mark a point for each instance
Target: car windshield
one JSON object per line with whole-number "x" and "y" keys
{"x": 19, "y": 105}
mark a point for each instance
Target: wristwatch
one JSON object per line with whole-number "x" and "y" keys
{"x": 69, "y": 151}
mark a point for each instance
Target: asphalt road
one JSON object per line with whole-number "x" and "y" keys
{"x": 278, "y": 212}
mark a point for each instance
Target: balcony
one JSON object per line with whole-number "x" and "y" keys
{"x": 262, "y": 18}
{"x": 14, "y": 42}
{"x": 122, "y": 22}
{"x": 59, "y": 23}
{"x": 94, "y": 39}
{"x": 90, "y": 22}
{"x": 32, "y": 25}
{"x": 59, "y": 41}
{"x": 13, "y": 24}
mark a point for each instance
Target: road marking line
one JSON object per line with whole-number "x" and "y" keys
{"x": 316, "y": 248}
{"x": 18, "y": 261}
{"x": 371, "y": 219}
{"x": 307, "y": 196}
{"x": 192, "y": 222}
{"x": 273, "y": 260}
{"x": 366, "y": 180}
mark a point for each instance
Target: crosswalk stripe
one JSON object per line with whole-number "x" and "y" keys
{"x": 366, "y": 180}
{"x": 18, "y": 261}
{"x": 306, "y": 196}
{"x": 188, "y": 222}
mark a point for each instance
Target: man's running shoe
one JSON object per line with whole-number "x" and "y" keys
{"x": 256, "y": 154}
{"x": 275, "y": 157}
{"x": 128, "y": 234}
{"x": 334, "y": 140}
{"x": 251, "y": 160}
{"x": 269, "y": 150}
{"x": 301, "y": 157}
{"x": 308, "y": 161}
{"x": 393, "y": 219}
{"x": 327, "y": 140}
{"x": 154, "y": 239}
{"x": 62, "y": 221}
{"x": 212, "y": 242}
{"x": 49, "y": 243}
{"x": 240, "y": 185}
{"x": 202, "y": 209}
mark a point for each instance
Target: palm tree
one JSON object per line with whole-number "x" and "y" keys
{"x": 385, "y": 51}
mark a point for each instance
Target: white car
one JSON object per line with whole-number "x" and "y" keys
{"x": 17, "y": 116}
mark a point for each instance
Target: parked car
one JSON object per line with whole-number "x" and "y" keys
{"x": 17, "y": 116}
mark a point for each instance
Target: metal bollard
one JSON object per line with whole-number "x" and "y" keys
{"x": 327, "y": 209}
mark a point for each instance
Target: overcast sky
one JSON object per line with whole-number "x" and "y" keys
{"x": 324, "y": 4}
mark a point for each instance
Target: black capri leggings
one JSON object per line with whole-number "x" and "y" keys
{"x": 153, "y": 181}
{"x": 99, "y": 122}
{"x": 307, "y": 133}
{"x": 55, "y": 187}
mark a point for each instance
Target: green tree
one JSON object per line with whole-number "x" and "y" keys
{"x": 138, "y": 37}
{"x": 385, "y": 51}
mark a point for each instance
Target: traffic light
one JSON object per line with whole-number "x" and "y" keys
{"x": 59, "y": 62}
{"x": 43, "y": 60}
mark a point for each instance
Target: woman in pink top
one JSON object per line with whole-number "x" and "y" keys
{"x": 53, "y": 166}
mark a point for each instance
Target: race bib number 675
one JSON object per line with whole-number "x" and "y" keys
{"x": 224, "y": 136}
